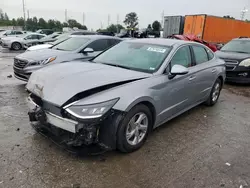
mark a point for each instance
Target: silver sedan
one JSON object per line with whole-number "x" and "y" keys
{"x": 117, "y": 98}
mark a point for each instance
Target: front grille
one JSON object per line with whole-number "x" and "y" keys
{"x": 230, "y": 67}
{"x": 20, "y": 63}
{"x": 231, "y": 64}
{"x": 46, "y": 105}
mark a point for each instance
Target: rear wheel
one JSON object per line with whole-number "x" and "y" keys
{"x": 134, "y": 129}
{"x": 215, "y": 93}
{"x": 16, "y": 46}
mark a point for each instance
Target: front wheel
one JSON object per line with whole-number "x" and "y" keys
{"x": 134, "y": 129}
{"x": 16, "y": 46}
{"x": 215, "y": 93}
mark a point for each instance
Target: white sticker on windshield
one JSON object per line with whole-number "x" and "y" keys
{"x": 151, "y": 68}
{"x": 159, "y": 50}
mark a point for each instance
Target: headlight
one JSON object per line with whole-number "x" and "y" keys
{"x": 245, "y": 63}
{"x": 91, "y": 111}
{"x": 46, "y": 61}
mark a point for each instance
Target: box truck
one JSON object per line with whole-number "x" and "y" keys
{"x": 173, "y": 25}
{"x": 215, "y": 29}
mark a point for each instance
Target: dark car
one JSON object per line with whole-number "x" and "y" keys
{"x": 236, "y": 54}
{"x": 106, "y": 33}
{"x": 75, "y": 48}
{"x": 45, "y": 31}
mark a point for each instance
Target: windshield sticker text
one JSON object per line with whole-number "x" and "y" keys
{"x": 159, "y": 50}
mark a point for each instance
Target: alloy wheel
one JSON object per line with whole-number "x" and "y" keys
{"x": 137, "y": 128}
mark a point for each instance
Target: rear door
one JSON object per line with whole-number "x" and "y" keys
{"x": 205, "y": 71}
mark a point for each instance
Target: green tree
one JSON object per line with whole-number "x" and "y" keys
{"x": 13, "y": 22}
{"x": 229, "y": 17}
{"x": 51, "y": 24}
{"x": 42, "y": 24}
{"x": 149, "y": 26}
{"x": 114, "y": 28}
{"x": 156, "y": 26}
{"x": 1, "y": 15}
{"x": 20, "y": 21}
{"x": 6, "y": 17}
{"x": 131, "y": 20}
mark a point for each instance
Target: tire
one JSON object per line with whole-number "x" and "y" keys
{"x": 126, "y": 129}
{"x": 215, "y": 93}
{"x": 16, "y": 46}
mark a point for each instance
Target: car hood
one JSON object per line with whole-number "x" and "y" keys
{"x": 232, "y": 55}
{"x": 39, "y": 47}
{"x": 41, "y": 54}
{"x": 59, "y": 83}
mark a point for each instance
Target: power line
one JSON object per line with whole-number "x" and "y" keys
{"x": 243, "y": 13}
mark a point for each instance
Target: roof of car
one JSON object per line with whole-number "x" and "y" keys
{"x": 160, "y": 41}
{"x": 93, "y": 37}
{"x": 242, "y": 38}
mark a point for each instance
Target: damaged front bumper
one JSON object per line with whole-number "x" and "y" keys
{"x": 72, "y": 134}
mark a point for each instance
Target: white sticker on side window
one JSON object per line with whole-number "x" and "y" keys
{"x": 159, "y": 50}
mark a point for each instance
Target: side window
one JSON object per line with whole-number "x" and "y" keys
{"x": 200, "y": 54}
{"x": 39, "y": 36}
{"x": 113, "y": 42}
{"x": 29, "y": 37}
{"x": 19, "y": 33}
{"x": 182, "y": 57}
{"x": 99, "y": 45}
{"x": 210, "y": 54}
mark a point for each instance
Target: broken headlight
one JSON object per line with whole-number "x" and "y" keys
{"x": 91, "y": 111}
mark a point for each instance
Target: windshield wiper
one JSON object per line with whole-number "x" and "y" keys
{"x": 116, "y": 65}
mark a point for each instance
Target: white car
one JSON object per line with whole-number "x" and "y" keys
{"x": 18, "y": 43}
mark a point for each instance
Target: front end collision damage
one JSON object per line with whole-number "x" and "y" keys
{"x": 99, "y": 131}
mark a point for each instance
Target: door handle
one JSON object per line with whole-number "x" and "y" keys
{"x": 213, "y": 70}
{"x": 191, "y": 78}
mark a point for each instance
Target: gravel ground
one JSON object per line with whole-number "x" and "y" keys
{"x": 205, "y": 147}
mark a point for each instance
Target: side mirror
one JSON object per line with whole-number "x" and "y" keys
{"x": 88, "y": 50}
{"x": 5, "y": 34}
{"x": 177, "y": 70}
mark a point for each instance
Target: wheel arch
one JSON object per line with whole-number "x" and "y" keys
{"x": 147, "y": 101}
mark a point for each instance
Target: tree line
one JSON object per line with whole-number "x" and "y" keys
{"x": 33, "y": 24}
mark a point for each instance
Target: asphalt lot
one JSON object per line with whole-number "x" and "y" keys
{"x": 205, "y": 147}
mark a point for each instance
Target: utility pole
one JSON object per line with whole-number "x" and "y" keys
{"x": 162, "y": 19}
{"x": 24, "y": 18}
{"x": 66, "y": 16}
{"x": 108, "y": 19}
{"x": 83, "y": 18}
{"x": 117, "y": 23}
{"x": 28, "y": 12}
{"x": 243, "y": 13}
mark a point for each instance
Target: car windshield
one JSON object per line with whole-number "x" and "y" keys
{"x": 71, "y": 44}
{"x": 241, "y": 46}
{"x": 135, "y": 56}
{"x": 60, "y": 39}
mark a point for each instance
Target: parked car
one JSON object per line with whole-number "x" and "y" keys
{"x": 46, "y": 39}
{"x": 117, "y": 98}
{"x": 236, "y": 54}
{"x": 59, "y": 39}
{"x": 75, "y": 48}
{"x": 45, "y": 31}
{"x": 194, "y": 38}
{"x": 18, "y": 43}
{"x": 106, "y": 33}
{"x": 6, "y": 33}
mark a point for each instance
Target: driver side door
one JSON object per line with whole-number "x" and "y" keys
{"x": 177, "y": 92}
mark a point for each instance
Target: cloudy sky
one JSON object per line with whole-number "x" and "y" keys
{"x": 96, "y": 11}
